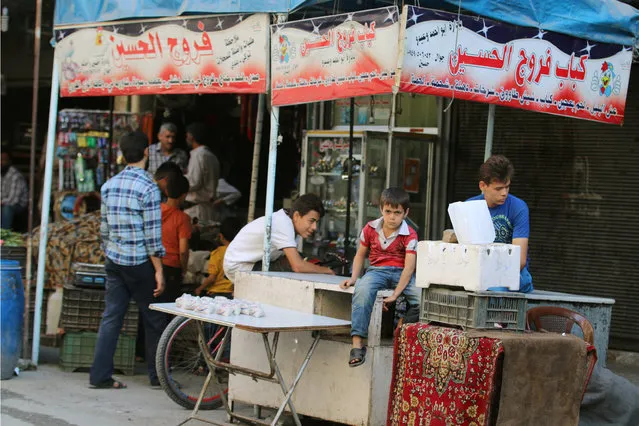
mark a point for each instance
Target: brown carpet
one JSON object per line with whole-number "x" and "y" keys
{"x": 544, "y": 375}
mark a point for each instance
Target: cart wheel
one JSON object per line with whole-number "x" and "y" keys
{"x": 180, "y": 365}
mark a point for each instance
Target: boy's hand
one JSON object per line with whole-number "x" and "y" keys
{"x": 198, "y": 291}
{"x": 387, "y": 301}
{"x": 329, "y": 271}
{"x": 347, "y": 283}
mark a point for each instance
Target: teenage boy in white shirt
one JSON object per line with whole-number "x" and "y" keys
{"x": 247, "y": 248}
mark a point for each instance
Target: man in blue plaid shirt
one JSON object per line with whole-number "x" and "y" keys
{"x": 131, "y": 231}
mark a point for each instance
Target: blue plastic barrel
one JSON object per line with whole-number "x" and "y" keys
{"x": 11, "y": 316}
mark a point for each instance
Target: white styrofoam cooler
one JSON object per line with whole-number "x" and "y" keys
{"x": 472, "y": 266}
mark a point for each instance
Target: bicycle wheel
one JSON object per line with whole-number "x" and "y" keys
{"x": 180, "y": 365}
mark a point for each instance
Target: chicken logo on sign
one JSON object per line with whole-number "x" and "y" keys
{"x": 285, "y": 47}
{"x": 608, "y": 82}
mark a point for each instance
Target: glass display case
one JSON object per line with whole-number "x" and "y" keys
{"x": 324, "y": 172}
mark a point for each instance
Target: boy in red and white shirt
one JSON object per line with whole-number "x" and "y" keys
{"x": 392, "y": 245}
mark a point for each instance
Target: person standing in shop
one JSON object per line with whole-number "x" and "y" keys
{"x": 165, "y": 150}
{"x": 131, "y": 231}
{"x": 15, "y": 194}
{"x": 203, "y": 173}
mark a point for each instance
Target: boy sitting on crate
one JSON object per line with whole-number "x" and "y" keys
{"x": 392, "y": 245}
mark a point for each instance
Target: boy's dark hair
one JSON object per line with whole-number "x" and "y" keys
{"x": 199, "y": 131}
{"x": 306, "y": 203}
{"x": 497, "y": 167}
{"x": 177, "y": 186}
{"x": 133, "y": 145}
{"x": 394, "y": 197}
{"x": 167, "y": 169}
{"x": 230, "y": 227}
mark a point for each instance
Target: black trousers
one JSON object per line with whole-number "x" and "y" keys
{"x": 122, "y": 284}
{"x": 172, "y": 290}
{"x": 172, "y": 284}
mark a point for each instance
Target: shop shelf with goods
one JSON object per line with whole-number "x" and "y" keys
{"x": 325, "y": 170}
{"x": 87, "y": 152}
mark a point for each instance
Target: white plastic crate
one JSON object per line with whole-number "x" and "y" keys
{"x": 473, "y": 267}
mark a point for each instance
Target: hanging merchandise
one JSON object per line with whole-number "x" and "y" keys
{"x": 83, "y": 177}
{"x": 88, "y": 146}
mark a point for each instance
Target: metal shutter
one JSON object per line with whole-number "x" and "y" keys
{"x": 581, "y": 182}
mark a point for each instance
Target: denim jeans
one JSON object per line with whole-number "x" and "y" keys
{"x": 122, "y": 284}
{"x": 366, "y": 288}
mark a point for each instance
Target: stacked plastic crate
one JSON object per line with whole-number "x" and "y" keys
{"x": 83, "y": 304}
{"x": 456, "y": 277}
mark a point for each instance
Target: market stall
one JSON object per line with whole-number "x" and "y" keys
{"x": 423, "y": 67}
{"x": 328, "y": 376}
{"x": 203, "y": 54}
{"x": 363, "y": 61}
{"x": 318, "y": 59}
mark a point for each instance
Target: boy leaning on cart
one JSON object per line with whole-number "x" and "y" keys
{"x": 391, "y": 248}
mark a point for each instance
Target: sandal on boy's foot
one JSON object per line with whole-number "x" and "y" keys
{"x": 109, "y": 384}
{"x": 357, "y": 357}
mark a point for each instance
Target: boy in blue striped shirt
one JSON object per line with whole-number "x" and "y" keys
{"x": 131, "y": 231}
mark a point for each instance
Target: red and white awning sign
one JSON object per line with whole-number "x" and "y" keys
{"x": 212, "y": 54}
{"x": 332, "y": 57}
{"x": 487, "y": 61}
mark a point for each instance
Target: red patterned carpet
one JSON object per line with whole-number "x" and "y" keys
{"x": 442, "y": 377}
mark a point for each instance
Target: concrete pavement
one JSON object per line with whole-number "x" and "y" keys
{"x": 52, "y": 397}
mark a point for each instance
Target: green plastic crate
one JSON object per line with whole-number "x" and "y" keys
{"x": 78, "y": 348}
{"x": 483, "y": 309}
